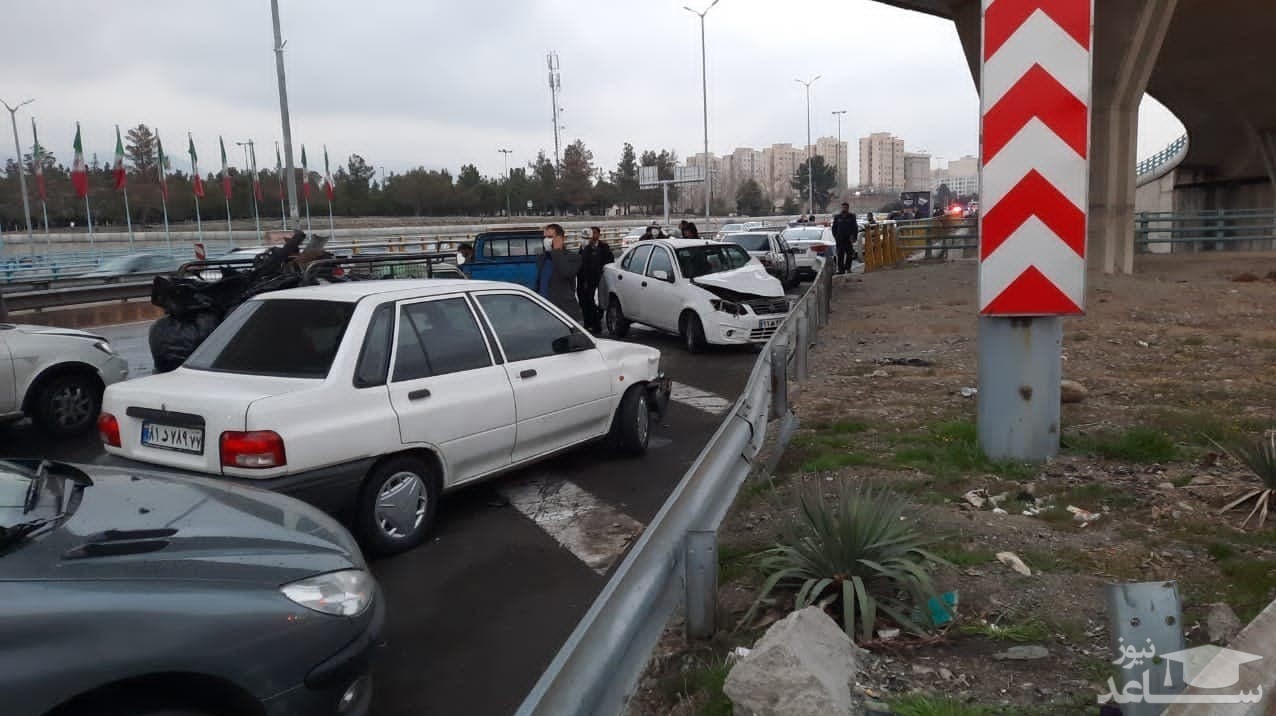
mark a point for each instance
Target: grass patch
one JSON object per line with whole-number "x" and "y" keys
{"x": 1097, "y": 671}
{"x": 1250, "y": 585}
{"x": 951, "y": 450}
{"x": 1202, "y": 429}
{"x": 830, "y": 461}
{"x": 734, "y": 563}
{"x": 1138, "y": 445}
{"x": 962, "y": 556}
{"x": 1220, "y": 551}
{"x": 1093, "y": 496}
{"x": 1079, "y": 337}
{"x": 841, "y": 427}
{"x": 1062, "y": 560}
{"x": 1020, "y": 633}
{"x": 703, "y": 685}
{"x": 923, "y": 705}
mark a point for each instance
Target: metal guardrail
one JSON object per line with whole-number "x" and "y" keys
{"x": 675, "y": 561}
{"x": 1205, "y": 230}
{"x": 1155, "y": 166}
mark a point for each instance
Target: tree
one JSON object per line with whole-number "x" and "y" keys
{"x": 665, "y": 161}
{"x": 576, "y": 183}
{"x": 626, "y": 178}
{"x": 749, "y": 200}
{"x": 544, "y": 183}
{"x": 943, "y": 197}
{"x": 825, "y": 180}
{"x": 790, "y": 205}
{"x": 354, "y": 185}
{"x": 139, "y": 147}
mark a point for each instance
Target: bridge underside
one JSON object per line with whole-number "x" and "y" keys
{"x": 1209, "y": 62}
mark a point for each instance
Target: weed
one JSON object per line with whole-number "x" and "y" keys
{"x": 1250, "y": 584}
{"x": 734, "y": 563}
{"x": 1138, "y": 445}
{"x": 1202, "y": 428}
{"x": 1031, "y": 630}
{"x": 1079, "y": 337}
{"x": 830, "y": 461}
{"x": 703, "y": 683}
{"x": 1220, "y": 551}
{"x": 950, "y": 450}
{"x": 923, "y": 705}
{"x": 1097, "y": 670}
{"x": 1061, "y": 560}
{"x": 1260, "y": 459}
{"x": 962, "y": 556}
{"x": 841, "y": 427}
{"x": 1093, "y": 496}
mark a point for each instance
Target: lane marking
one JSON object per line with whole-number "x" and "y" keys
{"x": 698, "y": 399}
{"x": 585, "y": 525}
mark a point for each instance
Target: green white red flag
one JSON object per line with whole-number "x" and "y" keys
{"x": 79, "y": 170}
{"x": 279, "y": 172}
{"x": 225, "y": 169}
{"x": 162, "y": 167}
{"x": 121, "y": 176}
{"x": 37, "y": 158}
{"x": 305, "y": 175}
{"x": 252, "y": 153}
{"x": 327, "y": 175}
{"x": 197, "y": 181}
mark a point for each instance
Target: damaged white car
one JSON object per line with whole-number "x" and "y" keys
{"x": 708, "y": 293}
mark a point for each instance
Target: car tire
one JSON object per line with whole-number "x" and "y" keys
{"x": 617, "y": 324}
{"x": 693, "y": 334}
{"x": 631, "y": 425}
{"x": 397, "y": 505}
{"x": 68, "y": 404}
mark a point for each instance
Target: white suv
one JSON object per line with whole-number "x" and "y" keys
{"x": 55, "y": 376}
{"x": 705, "y": 291}
{"x": 370, "y": 398}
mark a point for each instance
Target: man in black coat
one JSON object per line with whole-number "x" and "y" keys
{"x": 556, "y": 271}
{"x": 594, "y": 255}
{"x": 845, "y": 229}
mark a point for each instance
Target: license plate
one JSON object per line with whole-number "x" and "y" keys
{"x": 169, "y": 437}
{"x": 770, "y": 323}
{"x": 799, "y": 251}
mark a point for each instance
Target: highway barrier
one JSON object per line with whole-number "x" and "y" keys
{"x": 881, "y": 247}
{"x": 674, "y": 563}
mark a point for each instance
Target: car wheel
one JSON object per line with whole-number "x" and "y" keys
{"x": 397, "y": 505}
{"x": 617, "y": 324}
{"x": 693, "y": 334}
{"x": 631, "y": 426}
{"x": 68, "y": 404}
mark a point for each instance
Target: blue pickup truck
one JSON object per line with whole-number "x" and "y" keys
{"x": 507, "y": 255}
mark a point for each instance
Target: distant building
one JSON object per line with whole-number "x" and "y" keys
{"x": 882, "y": 163}
{"x": 835, "y": 155}
{"x": 917, "y": 175}
{"x": 961, "y": 176}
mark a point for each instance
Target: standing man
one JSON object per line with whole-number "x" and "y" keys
{"x": 467, "y": 255}
{"x": 556, "y": 272}
{"x": 844, "y": 230}
{"x": 594, "y": 255}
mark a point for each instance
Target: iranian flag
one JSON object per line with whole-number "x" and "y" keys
{"x": 37, "y": 158}
{"x": 121, "y": 176}
{"x": 327, "y": 174}
{"x": 305, "y": 175}
{"x": 225, "y": 169}
{"x": 252, "y": 153}
{"x": 162, "y": 167}
{"x": 279, "y": 172}
{"x": 79, "y": 170}
{"x": 197, "y": 181}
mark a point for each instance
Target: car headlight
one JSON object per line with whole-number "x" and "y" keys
{"x": 730, "y": 307}
{"x": 343, "y": 594}
{"x": 104, "y": 347}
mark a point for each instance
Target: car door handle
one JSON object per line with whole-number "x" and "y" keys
{"x": 529, "y": 373}
{"x": 644, "y": 284}
{"x": 419, "y": 394}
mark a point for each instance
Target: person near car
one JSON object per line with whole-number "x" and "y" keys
{"x": 689, "y": 230}
{"x": 556, "y": 272}
{"x": 845, "y": 228}
{"x": 594, "y": 255}
{"x": 467, "y": 255}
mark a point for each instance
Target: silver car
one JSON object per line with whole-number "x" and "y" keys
{"x": 55, "y": 376}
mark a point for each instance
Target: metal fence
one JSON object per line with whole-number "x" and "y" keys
{"x": 675, "y": 562}
{"x": 1155, "y": 166}
{"x": 1169, "y": 232}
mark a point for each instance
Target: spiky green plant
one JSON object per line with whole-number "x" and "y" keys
{"x": 1260, "y": 458}
{"x": 857, "y": 550}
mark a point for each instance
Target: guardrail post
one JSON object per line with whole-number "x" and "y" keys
{"x": 803, "y": 344}
{"x": 701, "y": 561}
{"x": 779, "y": 380}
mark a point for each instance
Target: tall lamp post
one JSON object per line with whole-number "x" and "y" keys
{"x": 837, "y": 152}
{"x": 810, "y": 170}
{"x": 22, "y": 175}
{"x": 704, "y": 91}
{"x": 507, "y": 153}
{"x": 291, "y": 176}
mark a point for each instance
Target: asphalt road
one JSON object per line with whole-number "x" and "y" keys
{"x": 478, "y": 612}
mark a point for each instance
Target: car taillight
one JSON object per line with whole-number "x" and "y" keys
{"x": 255, "y": 450}
{"x": 109, "y": 428}
{"x": 819, "y": 249}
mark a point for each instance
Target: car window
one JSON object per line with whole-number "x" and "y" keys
{"x": 749, "y": 242}
{"x": 518, "y": 247}
{"x": 660, "y": 261}
{"x": 291, "y": 338}
{"x": 637, "y": 260}
{"x": 497, "y": 248}
{"x": 524, "y": 328}
{"x": 437, "y": 338}
{"x": 374, "y": 357}
{"x": 703, "y": 260}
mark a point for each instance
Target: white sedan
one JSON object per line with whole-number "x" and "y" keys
{"x": 371, "y": 398}
{"x": 55, "y": 376}
{"x": 706, "y": 292}
{"x": 811, "y": 246}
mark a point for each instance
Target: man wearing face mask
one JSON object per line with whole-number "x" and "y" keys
{"x": 556, "y": 271}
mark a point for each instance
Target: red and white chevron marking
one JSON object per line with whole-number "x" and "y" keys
{"x": 1035, "y": 175}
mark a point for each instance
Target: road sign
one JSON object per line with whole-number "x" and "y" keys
{"x": 687, "y": 175}
{"x": 648, "y": 177}
{"x": 1037, "y": 65}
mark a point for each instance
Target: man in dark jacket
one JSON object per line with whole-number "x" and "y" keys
{"x": 845, "y": 229}
{"x": 556, "y": 271}
{"x": 594, "y": 255}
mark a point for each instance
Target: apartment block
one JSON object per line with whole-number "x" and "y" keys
{"x": 882, "y": 163}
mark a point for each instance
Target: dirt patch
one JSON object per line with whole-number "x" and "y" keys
{"x": 1173, "y": 358}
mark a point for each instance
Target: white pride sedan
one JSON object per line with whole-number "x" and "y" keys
{"x": 704, "y": 291}
{"x": 55, "y": 376}
{"x": 371, "y": 398}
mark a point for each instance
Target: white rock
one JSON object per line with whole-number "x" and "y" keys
{"x": 1222, "y": 624}
{"x": 1012, "y": 560}
{"x": 802, "y": 666}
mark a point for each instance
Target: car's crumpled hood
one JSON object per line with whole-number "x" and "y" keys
{"x": 751, "y": 280}
{"x": 53, "y": 331}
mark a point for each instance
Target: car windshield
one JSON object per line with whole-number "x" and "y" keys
{"x": 803, "y": 234}
{"x": 732, "y": 227}
{"x": 703, "y": 260}
{"x": 750, "y": 242}
{"x": 287, "y": 338}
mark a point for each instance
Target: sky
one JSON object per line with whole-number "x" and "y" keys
{"x": 434, "y": 83}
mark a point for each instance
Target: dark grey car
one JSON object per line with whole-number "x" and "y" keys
{"x": 127, "y": 593}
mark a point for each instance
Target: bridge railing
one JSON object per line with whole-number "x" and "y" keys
{"x": 1155, "y": 166}
{"x": 1243, "y": 229}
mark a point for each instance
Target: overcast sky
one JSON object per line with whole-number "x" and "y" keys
{"x": 439, "y": 83}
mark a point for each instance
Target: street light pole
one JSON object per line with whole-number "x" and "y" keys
{"x": 22, "y": 177}
{"x": 704, "y": 92}
{"x": 810, "y": 170}
{"x": 837, "y": 151}
{"x": 283, "y": 114}
{"x": 507, "y": 153}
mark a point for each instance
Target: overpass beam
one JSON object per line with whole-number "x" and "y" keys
{"x": 1128, "y": 39}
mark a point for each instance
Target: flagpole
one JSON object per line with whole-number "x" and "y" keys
{"x": 279, "y": 169}
{"x": 308, "y": 211}
{"x": 168, "y": 238}
{"x": 332, "y": 229}
{"x": 199, "y": 224}
{"x": 88, "y": 210}
{"x": 230, "y": 239}
{"x": 128, "y": 217}
{"x": 44, "y": 208}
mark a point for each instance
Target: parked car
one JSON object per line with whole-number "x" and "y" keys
{"x": 811, "y": 245}
{"x": 134, "y": 264}
{"x": 55, "y": 376}
{"x": 145, "y": 595}
{"x": 704, "y": 291}
{"x": 370, "y": 398}
{"x": 736, "y": 228}
{"x": 772, "y": 251}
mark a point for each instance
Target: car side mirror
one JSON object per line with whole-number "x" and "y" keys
{"x": 573, "y": 342}
{"x": 661, "y": 275}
